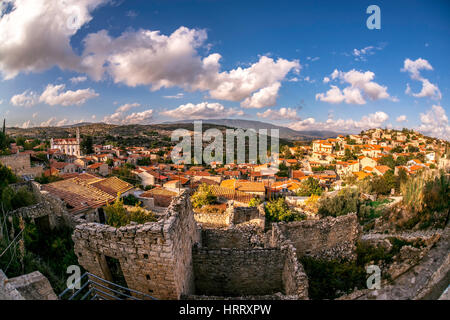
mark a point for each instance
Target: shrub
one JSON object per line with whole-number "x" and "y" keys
{"x": 203, "y": 196}
{"x": 309, "y": 187}
{"x": 278, "y": 210}
{"x": 346, "y": 201}
{"x": 255, "y": 202}
{"x": 331, "y": 279}
{"x": 118, "y": 216}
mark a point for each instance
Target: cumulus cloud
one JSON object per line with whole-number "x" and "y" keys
{"x": 146, "y": 57}
{"x": 25, "y": 99}
{"x": 120, "y": 116}
{"x": 126, "y": 107}
{"x": 76, "y": 80}
{"x": 203, "y": 110}
{"x": 143, "y": 117}
{"x": 26, "y": 124}
{"x": 35, "y": 34}
{"x": 401, "y": 118}
{"x": 265, "y": 97}
{"x": 413, "y": 67}
{"x": 360, "y": 88}
{"x": 50, "y": 122}
{"x": 54, "y": 95}
{"x": 361, "y": 54}
{"x": 281, "y": 114}
{"x": 372, "y": 120}
{"x": 435, "y": 123}
{"x": 177, "y": 96}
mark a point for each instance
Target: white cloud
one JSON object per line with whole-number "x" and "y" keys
{"x": 372, "y": 120}
{"x": 143, "y": 117}
{"x": 26, "y": 124}
{"x": 25, "y": 99}
{"x": 360, "y": 88}
{"x": 1, "y": 101}
{"x": 62, "y": 122}
{"x": 203, "y": 110}
{"x": 177, "y": 96}
{"x": 435, "y": 123}
{"x": 326, "y": 80}
{"x": 265, "y": 97}
{"x": 53, "y": 95}
{"x": 49, "y": 122}
{"x": 35, "y": 115}
{"x": 120, "y": 117}
{"x": 281, "y": 114}
{"x": 414, "y": 67}
{"x": 35, "y": 34}
{"x": 76, "y": 80}
{"x": 126, "y": 107}
{"x": 401, "y": 118}
{"x": 428, "y": 89}
{"x": 146, "y": 57}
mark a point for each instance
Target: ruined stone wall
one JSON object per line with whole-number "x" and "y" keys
{"x": 234, "y": 272}
{"x": 20, "y": 164}
{"x": 16, "y": 161}
{"x": 245, "y": 214}
{"x": 155, "y": 257}
{"x": 33, "y": 286}
{"x": 7, "y": 290}
{"x": 213, "y": 220}
{"x": 239, "y": 237}
{"x": 233, "y": 215}
{"x": 328, "y": 238}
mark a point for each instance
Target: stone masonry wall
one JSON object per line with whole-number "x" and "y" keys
{"x": 234, "y": 272}
{"x": 155, "y": 257}
{"x": 239, "y": 237}
{"x": 328, "y": 238}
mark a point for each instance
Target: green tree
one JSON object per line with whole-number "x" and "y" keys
{"x": 346, "y": 201}
{"x": 87, "y": 145}
{"x": 203, "y": 196}
{"x": 118, "y": 216}
{"x": 388, "y": 161}
{"x": 308, "y": 187}
{"x": 278, "y": 210}
{"x": 255, "y": 202}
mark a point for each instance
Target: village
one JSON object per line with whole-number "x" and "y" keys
{"x": 343, "y": 190}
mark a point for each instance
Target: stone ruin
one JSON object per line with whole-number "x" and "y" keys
{"x": 187, "y": 256}
{"x": 32, "y": 286}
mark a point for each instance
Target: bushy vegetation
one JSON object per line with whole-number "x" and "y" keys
{"x": 117, "y": 215}
{"x": 309, "y": 187}
{"x": 278, "y": 210}
{"x": 49, "y": 252}
{"x": 43, "y": 179}
{"x": 203, "y": 196}
{"x": 255, "y": 202}
{"x": 346, "y": 201}
{"x": 427, "y": 197}
{"x": 11, "y": 199}
{"x": 331, "y": 279}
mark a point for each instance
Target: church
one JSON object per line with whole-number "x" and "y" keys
{"x": 69, "y": 146}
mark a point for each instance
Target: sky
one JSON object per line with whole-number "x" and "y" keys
{"x": 307, "y": 65}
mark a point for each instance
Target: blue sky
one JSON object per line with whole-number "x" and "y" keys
{"x": 274, "y": 57}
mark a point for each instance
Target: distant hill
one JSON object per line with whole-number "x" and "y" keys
{"x": 285, "y": 133}
{"x": 163, "y": 129}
